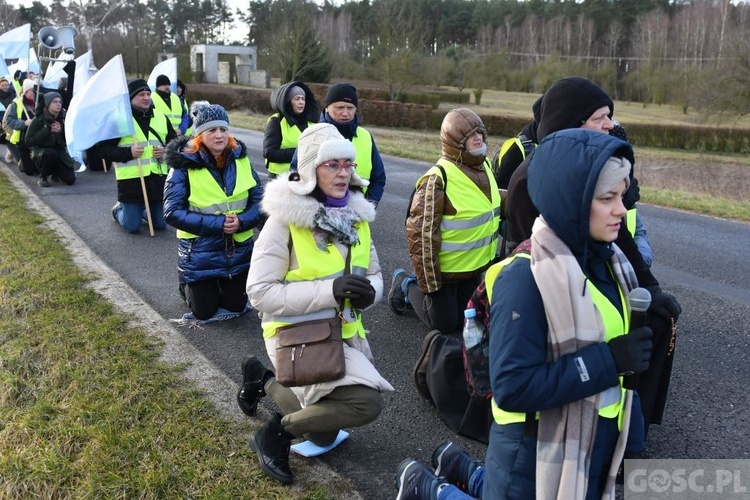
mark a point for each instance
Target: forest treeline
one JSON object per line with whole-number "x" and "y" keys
{"x": 692, "y": 53}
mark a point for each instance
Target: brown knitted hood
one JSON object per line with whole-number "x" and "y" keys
{"x": 458, "y": 125}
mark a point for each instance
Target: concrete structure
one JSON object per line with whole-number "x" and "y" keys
{"x": 227, "y": 64}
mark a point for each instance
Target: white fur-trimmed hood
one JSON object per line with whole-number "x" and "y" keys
{"x": 280, "y": 202}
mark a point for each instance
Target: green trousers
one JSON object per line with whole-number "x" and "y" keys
{"x": 346, "y": 406}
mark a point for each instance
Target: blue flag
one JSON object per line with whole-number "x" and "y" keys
{"x": 100, "y": 110}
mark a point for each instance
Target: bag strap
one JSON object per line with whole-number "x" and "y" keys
{"x": 347, "y": 267}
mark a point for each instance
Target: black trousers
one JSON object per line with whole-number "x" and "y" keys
{"x": 50, "y": 164}
{"x": 443, "y": 310}
{"x": 24, "y": 156}
{"x": 205, "y": 297}
{"x": 653, "y": 384}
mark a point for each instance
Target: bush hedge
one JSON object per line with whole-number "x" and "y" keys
{"x": 376, "y": 111}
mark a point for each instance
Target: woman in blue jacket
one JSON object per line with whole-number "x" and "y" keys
{"x": 212, "y": 197}
{"x": 559, "y": 343}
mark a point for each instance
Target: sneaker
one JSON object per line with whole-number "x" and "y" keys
{"x": 415, "y": 481}
{"x": 115, "y": 209}
{"x": 8, "y": 157}
{"x": 420, "y": 368}
{"x": 254, "y": 375}
{"x": 454, "y": 464}
{"x": 397, "y": 295}
{"x": 43, "y": 182}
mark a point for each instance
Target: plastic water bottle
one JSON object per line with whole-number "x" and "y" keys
{"x": 472, "y": 330}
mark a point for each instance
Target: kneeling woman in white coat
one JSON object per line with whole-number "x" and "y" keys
{"x": 315, "y": 216}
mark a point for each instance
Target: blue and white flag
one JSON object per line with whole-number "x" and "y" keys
{"x": 100, "y": 110}
{"x": 33, "y": 66}
{"x": 4, "y": 71}
{"x": 84, "y": 71}
{"x": 167, "y": 68}
{"x": 14, "y": 44}
{"x": 55, "y": 72}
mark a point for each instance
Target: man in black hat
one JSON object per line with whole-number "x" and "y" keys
{"x": 341, "y": 112}
{"x": 137, "y": 155}
{"x": 170, "y": 104}
{"x": 577, "y": 102}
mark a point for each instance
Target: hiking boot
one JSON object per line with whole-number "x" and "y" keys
{"x": 420, "y": 368}
{"x": 397, "y": 300}
{"x": 415, "y": 481}
{"x": 115, "y": 209}
{"x": 272, "y": 444}
{"x": 43, "y": 182}
{"x": 254, "y": 377}
{"x": 454, "y": 464}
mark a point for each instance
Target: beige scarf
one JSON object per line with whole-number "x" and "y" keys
{"x": 566, "y": 434}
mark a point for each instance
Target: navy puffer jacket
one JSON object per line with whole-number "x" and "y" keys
{"x": 212, "y": 254}
{"x": 562, "y": 175}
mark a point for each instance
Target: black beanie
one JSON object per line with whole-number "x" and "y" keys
{"x": 341, "y": 92}
{"x": 568, "y": 103}
{"x": 162, "y": 80}
{"x": 137, "y": 85}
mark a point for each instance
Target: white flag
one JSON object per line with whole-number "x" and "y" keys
{"x": 100, "y": 110}
{"x": 14, "y": 44}
{"x": 167, "y": 68}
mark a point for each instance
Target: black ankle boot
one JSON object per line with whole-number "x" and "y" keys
{"x": 272, "y": 444}
{"x": 254, "y": 377}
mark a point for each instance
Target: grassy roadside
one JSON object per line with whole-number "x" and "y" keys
{"x": 87, "y": 409}
{"x": 424, "y": 146}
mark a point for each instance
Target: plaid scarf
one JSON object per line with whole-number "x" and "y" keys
{"x": 566, "y": 434}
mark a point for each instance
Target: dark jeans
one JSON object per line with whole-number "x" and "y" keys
{"x": 443, "y": 310}
{"x": 205, "y": 297}
{"x": 51, "y": 165}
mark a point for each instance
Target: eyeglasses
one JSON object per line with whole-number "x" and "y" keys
{"x": 334, "y": 166}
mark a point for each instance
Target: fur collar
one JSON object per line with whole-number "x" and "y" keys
{"x": 175, "y": 158}
{"x": 279, "y": 201}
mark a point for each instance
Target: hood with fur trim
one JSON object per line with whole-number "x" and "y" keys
{"x": 279, "y": 201}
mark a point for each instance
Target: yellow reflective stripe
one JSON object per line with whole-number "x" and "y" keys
{"x": 469, "y": 245}
{"x": 299, "y": 318}
{"x": 455, "y": 224}
{"x": 221, "y": 208}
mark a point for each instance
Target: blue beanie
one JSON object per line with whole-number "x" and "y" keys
{"x": 209, "y": 116}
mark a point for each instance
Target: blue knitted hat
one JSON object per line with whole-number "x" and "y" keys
{"x": 209, "y": 116}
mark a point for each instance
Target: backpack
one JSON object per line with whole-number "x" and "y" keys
{"x": 476, "y": 359}
{"x": 414, "y": 191}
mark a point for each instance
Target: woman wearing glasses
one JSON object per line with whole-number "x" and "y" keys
{"x": 313, "y": 258}
{"x": 212, "y": 197}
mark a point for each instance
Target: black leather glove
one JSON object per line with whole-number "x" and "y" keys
{"x": 632, "y": 351}
{"x": 632, "y": 195}
{"x": 357, "y": 289}
{"x": 664, "y": 304}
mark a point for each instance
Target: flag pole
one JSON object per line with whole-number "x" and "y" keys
{"x": 145, "y": 194}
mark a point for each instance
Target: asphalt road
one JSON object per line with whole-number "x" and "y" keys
{"x": 702, "y": 260}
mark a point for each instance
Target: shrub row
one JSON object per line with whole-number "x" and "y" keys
{"x": 722, "y": 140}
{"x": 424, "y": 116}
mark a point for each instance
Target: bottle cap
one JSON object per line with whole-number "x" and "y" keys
{"x": 470, "y": 313}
